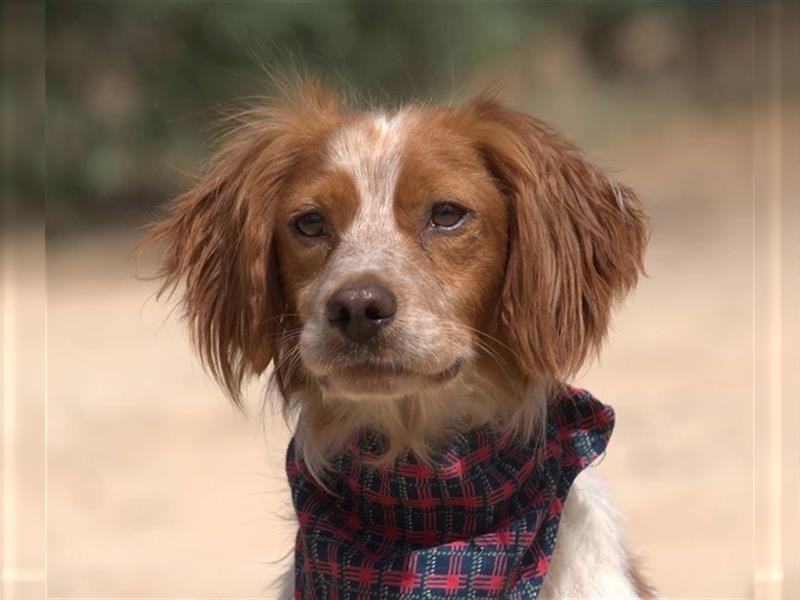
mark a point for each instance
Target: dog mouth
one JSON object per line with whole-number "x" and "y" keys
{"x": 376, "y": 379}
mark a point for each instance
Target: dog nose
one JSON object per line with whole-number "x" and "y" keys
{"x": 359, "y": 311}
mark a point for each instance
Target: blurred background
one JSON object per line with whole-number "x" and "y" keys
{"x": 157, "y": 488}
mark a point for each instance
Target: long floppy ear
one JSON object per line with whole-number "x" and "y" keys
{"x": 576, "y": 241}
{"x": 218, "y": 238}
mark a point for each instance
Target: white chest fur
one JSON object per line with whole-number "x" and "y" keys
{"x": 591, "y": 559}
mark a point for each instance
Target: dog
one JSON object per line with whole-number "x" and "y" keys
{"x": 415, "y": 275}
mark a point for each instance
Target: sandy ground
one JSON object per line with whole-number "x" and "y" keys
{"x": 158, "y": 488}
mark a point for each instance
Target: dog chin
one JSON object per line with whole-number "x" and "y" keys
{"x": 370, "y": 382}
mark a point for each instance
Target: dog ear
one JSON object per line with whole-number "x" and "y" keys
{"x": 218, "y": 238}
{"x": 576, "y": 241}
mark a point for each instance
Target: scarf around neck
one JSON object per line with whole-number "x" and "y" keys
{"x": 480, "y": 522}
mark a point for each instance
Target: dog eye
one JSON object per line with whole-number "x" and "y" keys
{"x": 447, "y": 215}
{"x": 311, "y": 224}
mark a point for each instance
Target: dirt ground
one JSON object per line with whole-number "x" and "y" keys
{"x": 158, "y": 488}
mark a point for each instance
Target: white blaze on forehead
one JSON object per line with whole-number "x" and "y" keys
{"x": 371, "y": 151}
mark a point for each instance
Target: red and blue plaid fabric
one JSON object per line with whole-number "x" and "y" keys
{"x": 480, "y": 522}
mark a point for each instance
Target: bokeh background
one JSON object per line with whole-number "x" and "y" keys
{"x": 158, "y": 488}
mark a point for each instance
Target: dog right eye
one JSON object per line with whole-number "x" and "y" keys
{"x": 447, "y": 215}
{"x": 311, "y": 224}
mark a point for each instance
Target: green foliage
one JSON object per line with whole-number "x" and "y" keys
{"x": 133, "y": 87}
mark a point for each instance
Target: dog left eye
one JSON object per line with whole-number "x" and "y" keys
{"x": 311, "y": 224}
{"x": 447, "y": 215}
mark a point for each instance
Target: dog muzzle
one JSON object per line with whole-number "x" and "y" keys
{"x": 480, "y": 521}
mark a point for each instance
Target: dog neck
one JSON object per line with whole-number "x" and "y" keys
{"x": 486, "y": 508}
{"x": 421, "y": 424}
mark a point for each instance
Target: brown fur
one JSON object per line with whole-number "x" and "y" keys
{"x": 443, "y": 163}
{"x": 576, "y": 240}
{"x": 219, "y": 236}
{"x": 532, "y": 283}
{"x": 644, "y": 589}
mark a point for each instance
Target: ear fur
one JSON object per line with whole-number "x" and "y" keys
{"x": 576, "y": 241}
{"x": 218, "y": 237}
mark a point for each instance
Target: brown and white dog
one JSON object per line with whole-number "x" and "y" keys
{"x": 421, "y": 272}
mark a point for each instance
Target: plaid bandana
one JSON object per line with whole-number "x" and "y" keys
{"x": 480, "y": 523}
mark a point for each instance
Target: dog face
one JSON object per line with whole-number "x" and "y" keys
{"x": 392, "y": 256}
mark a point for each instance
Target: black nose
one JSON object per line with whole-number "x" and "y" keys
{"x": 359, "y": 311}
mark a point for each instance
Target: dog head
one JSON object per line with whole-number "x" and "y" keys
{"x": 388, "y": 262}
